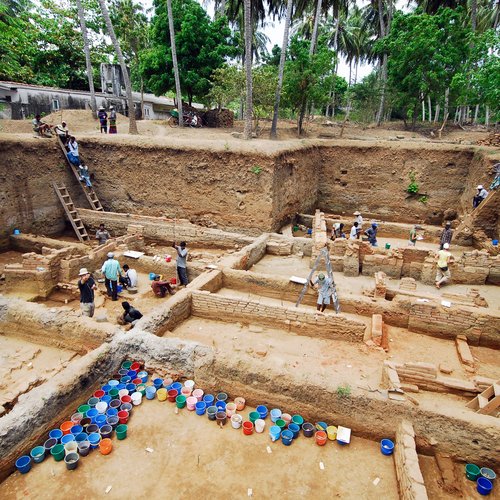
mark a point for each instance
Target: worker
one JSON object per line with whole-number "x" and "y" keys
{"x": 41, "y": 128}
{"x": 181, "y": 262}
{"x": 84, "y": 175}
{"x": 129, "y": 278}
{"x": 112, "y": 271}
{"x": 354, "y": 234}
{"x": 444, "y": 259}
{"x": 413, "y": 236}
{"x": 371, "y": 232}
{"x": 359, "y": 219}
{"x": 62, "y": 132}
{"x": 103, "y": 120}
{"x": 480, "y": 196}
{"x": 323, "y": 285}
{"x": 102, "y": 235}
{"x": 131, "y": 315}
{"x": 73, "y": 153}
{"x": 86, "y": 285}
{"x": 161, "y": 287}
{"x": 112, "y": 120}
{"x": 446, "y": 235}
{"x": 337, "y": 231}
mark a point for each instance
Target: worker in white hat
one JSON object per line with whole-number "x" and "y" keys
{"x": 480, "y": 196}
{"x": 359, "y": 219}
{"x": 444, "y": 259}
{"x": 86, "y": 285}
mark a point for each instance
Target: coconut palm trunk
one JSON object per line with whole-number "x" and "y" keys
{"x": 174, "y": 62}
{"x": 132, "y": 127}
{"x": 281, "y": 69}
{"x": 86, "y": 48}
{"x": 247, "y": 4}
{"x": 383, "y": 72}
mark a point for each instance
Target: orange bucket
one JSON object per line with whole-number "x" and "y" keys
{"x": 321, "y": 438}
{"x": 66, "y": 426}
{"x": 105, "y": 446}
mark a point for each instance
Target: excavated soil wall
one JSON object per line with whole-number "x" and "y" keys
{"x": 249, "y": 192}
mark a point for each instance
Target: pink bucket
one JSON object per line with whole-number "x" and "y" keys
{"x": 230, "y": 409}
{"x": 198, "y": 394}
{"x": 191, "y": 402}
{"x": 186, "y": 391}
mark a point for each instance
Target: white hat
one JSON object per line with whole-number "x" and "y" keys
{"x": 83, "y": 271}
{"x": 480, "y": 186}
{"x": 356, "y": 213}
{"x": 111, "y": 255}
{"x": 446, "y": 246}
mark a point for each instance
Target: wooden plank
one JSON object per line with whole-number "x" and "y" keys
{"x": 80, "y": 231}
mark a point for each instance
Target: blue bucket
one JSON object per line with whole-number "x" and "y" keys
{"x": 150, "y": 392}
{"x": 119, "y": 288}
{"x": 100, "y": 420}
{"x": 113, "y": 383}
{"x": 122, "y": 372}
{"x": 177, "y": 386}
{"x": 94, "y": 439}
{"x": 287, "y": 437}
{"x": 275, "y": 414}
{"x": 68, "y": 437}
{"x": 56, "y": 434}
{"x": 112, "y": 412}
{"x": 158, "y": 383}
{"x": 209, "y": 399}
{"x": 23, "y": 464}
{"x": 295, "y": 429}
{"x": 274, "y": 432}
{"x": 125, "y": 380}
{"x": 92, "y": 414}
{"x": 131, "y": 388}
{"x": 106, "y": 388}
{"x": 220, "y": 405}
{"x": 143, "y": 376}
{"x": 386, "y": 447}
{"x": 494, "y": 243}
{"x": 262, "y": 411}
{"x": 121, "y": 386}
{"x": 152, "y": 276}
{"x": 113, "y": 421}
{"x": 484, "y": 486}
{"x": 38, "y": 454}
{"x": 76, "y": 429}
{"x": 107, "y": 399}
{"x": 16, "y": 232}
{"x": 132, "y": 374}
{"x": 200, "y": 407}
{"x": 83, "y": 436}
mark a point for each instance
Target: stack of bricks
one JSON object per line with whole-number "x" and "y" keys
{"x": 391, "y": 263}
{"x": 410, "y": 479}
{"x": 135, "y": 229}
{"x": 427, "y": 377}
{"x": 408, "y": 284}
{"x": 413, "y": 259}
{"x": 351, "y": 259}
{"x": 380, "y": 285}
{"x": 337, "y": 250}
{"x": 280, "y": 246}
{"x": 472, "y": 268}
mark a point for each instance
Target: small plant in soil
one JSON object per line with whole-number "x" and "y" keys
{"x": 423, "y": 199}
{"x": 413, "y": 187}
{"x": 344, "y": 391}
{"x": 256, "y": 169}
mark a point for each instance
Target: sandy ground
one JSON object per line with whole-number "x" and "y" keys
{"x": 24, "y": 365}
{"x": 193, "y": 457}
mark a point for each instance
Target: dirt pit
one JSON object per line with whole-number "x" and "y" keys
{"x": 193, "y": 457}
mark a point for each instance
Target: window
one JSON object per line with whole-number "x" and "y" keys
{"x": 55, "y": 105}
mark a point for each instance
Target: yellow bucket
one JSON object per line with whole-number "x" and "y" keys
{"x": 331, "y": 431}
{"x": 161, "y": 394}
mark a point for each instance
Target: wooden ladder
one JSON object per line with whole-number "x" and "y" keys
{"x": 71, "y": 213}
{"x": 94, "y": 202}
{"x": 488, "y": 401}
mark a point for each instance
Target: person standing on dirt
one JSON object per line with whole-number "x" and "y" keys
{"x": 446, "y": 235}
{"x": 181, "y": 262}
{"x": 371, "y": 232}
{"x": 354, "y": 234}
{"x": 112, "y": 121}
{"x": 102, "y": 235}
{"x": 112, "y": 271}
{"x": 413, "y": 236}
{"x": 480, "y": 196}
{"x": 86, "y": 285}
{"x": 444, "y": 259}
{"x": 161, "y": 287}
{"x": 324, "y": 287}
{"x": 103, "y": 120}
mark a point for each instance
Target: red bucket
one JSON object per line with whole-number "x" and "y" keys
{"x": 99, "y": 394}
{"x": 137, "y": 381}
{"x": 320, "y": 438}
{"x": 135, "y": 366}
{"x": 172, "y": 394}
{"x": 247, "y": 428}
{"x": 123, "y": 416}
{"x": 126, "y": 399}
{"x": 173, "y": 281}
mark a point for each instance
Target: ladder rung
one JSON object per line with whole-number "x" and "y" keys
{"x": 482, "y": 401}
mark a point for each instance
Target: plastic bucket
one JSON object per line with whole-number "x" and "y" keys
{"x": 211, "y": 412}
{"x": 240, "y": 403}
{"x": 221, "y": 417}
{"x": 121, "y": 431}
{"x": 101, "y": 407}
{"x": 113, "y": 382}
{"x": 484, "y": 486}
{"x": 222, "y": 396}
{"x": 287, "y": 437}
{"x": 161, "y": 394}
{"x": 177, "y": 386}
{"x": 94, "y": 439}
{"x": 132, "y": 374}
{"x": 66, "y": 426}
{"x": 173, "y": 281}
{"x": 114, "y": 393}
{"x": 262, "y": 410}
{"x": 387, "y": 246}
{"x": 92, "y": 414}
{"x": 76, "y": 418}
{"x": 136, "y": 381}
{"x": 71, "y": 460}
{"x": 136, "y": 398}
{"x": 180, "y": 401}
{"x": 387, "y": 447}
{"x": 119, "y": 288}
{"x": 83, "y": 436}
{"x": 67, "y": 438}
{"x": 37, "y": 454}
{"x": 200, "y": 407}
{"x": 150, "y": 392}
{"x": 172, "y": 394}
{"x": 84, "y": 448}
{"x": 247, "y": 428}
{"x": 49, "y": 444}
{"x": 131, "y": 388}
{"x": 488, "y": 474}
{"x": 158, "y": 383}
{"x": 186, "y": 391}
{"x": 126, "y": 365}
{"x": 298, "y": 419}
{"x": 198, "y": 394}
{"x": 71, "y": 447}
{"x": 275, "y": 414}
{"x": 83, "y": 409}
{"x": 221, "y": 405}
{"x": 209, "y": 399}
{"x": 281, "y": 423}
{"x": 494, "y": 243}
{"x": 191, "y": 402}
{"x": 100, "y": 420}
{"x": 106, "y": 399}
{"x": 308, "y": 429}
{"x": 56, "y": 434}
{"x": 106, "y": 388}
{"x": 23, "y": 464}
{"x": 112, "y": 412}
{"x": 152, "y": 276}
{"x": 142, "y": 389}
{"x": 123, "y": 416}
{"x": 260, "y": 425}
{"x": 253, "y": 416}
{"x": 128, "y": 399}
{"x": 320, "y": 438}
{"x": 472, "y": 472}
{"x": 99, "y": 394}
{"x": 106, "y": 431}
{"x": 167, "y": 382}
{"x": 189, "y": 384}
{"x": 85, "y": 422}
{"x": 286, "y": 417}
{"x": 92, "y": 428}
{"x": 143, "y": 376}
{"x": 331, "y": 432}
{"x": 295, "y": 429}
{"x": 113, "y": 421}
{"x": 274, "y": 432}
{"x": 57, "y": 452}
{"x": 93, "y": 401}
{"x": 135, "y": 366}
{"x": 236, "y": 421}
{"x": 105, "y": 446}
{"x": 230, "y": 409}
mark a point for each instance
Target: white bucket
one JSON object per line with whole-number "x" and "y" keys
{"x": 136, "y": 398}
{"x": 122, "y": 392}
{"x": 260, "y": 425}
{"x": 189, "y": 384}
{"x": 236, "y": 421}
{"x": 71, "y": 447}
{"x": 101, "y": 407}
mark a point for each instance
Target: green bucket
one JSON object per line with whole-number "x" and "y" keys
{"x": 472, "y": 472}
{"x": 113, "y": 393}
{"x": 121, "y": 431}
{"x": 281, "y": 423}
{"x": 57, "y": 452}
{"x": 83, "y": 409}
{"x": 142, "y": 389}
{"x": 295, "y": 228}
{"x": 126, "y": 365}
{"x": 387, "y": 246}
{"x": 253, "y": 416}
{"x": 180, "y": 401}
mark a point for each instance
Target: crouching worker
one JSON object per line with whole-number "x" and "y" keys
{"x": 129, "y": 278}
{"x": 324, "y": 291}
{"x": 161, "y": 287}
{"x": 130, "y": 314}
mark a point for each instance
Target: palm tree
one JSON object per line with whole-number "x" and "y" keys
{"x": 248, "y": 68}
{"x": 281, "y": 68}
{"x": 132, "y": 127}
{"x": 86, "y": 48}
{"x": 174, "y": 62}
